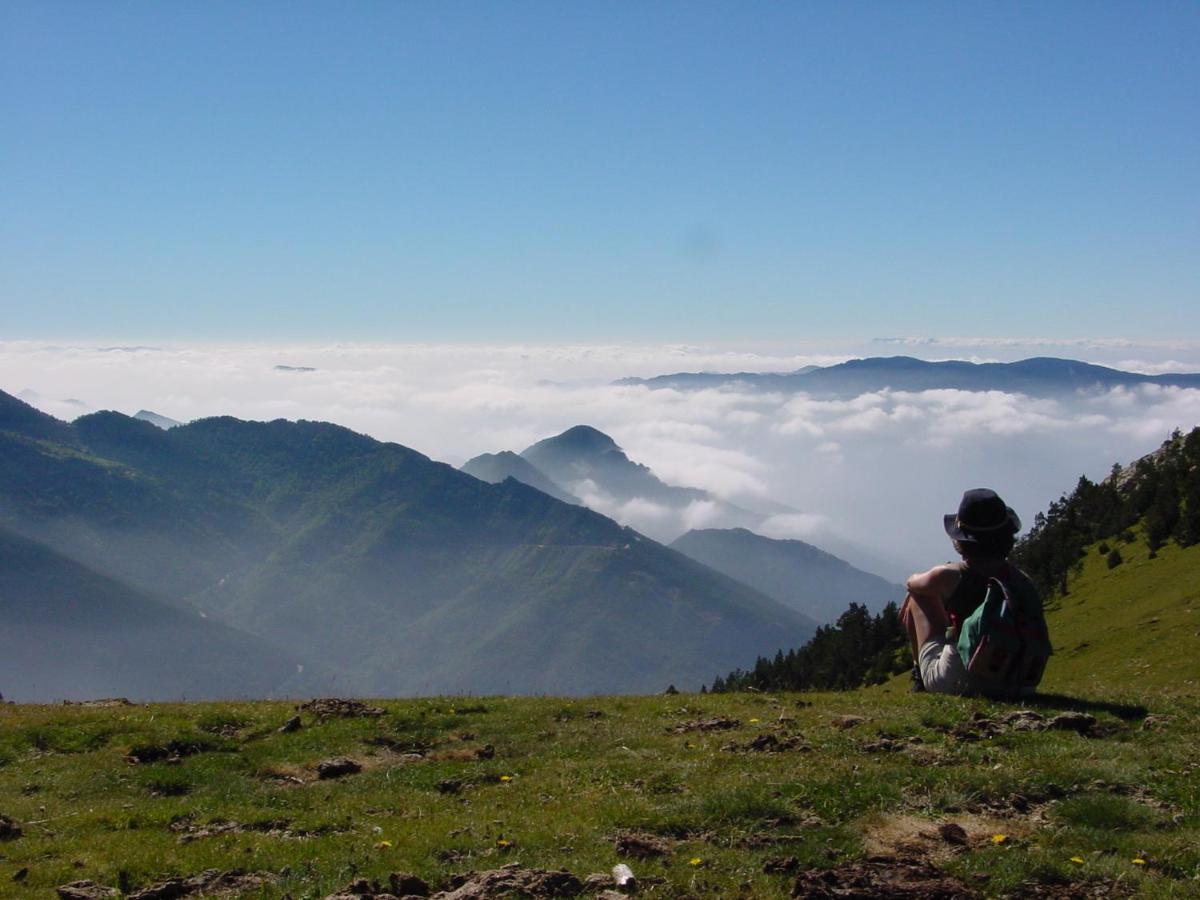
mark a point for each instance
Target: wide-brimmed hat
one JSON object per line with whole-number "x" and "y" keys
{"x": 980, "y": 515}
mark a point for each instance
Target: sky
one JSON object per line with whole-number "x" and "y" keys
{"x": 598, "y": 171}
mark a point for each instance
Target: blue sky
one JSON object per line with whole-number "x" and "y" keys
{"x": 598, "y": 171}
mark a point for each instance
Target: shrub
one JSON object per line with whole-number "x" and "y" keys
{"x": 1114, "y": 559}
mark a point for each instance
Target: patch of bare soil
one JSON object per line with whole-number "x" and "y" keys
{"x": 9, "y": 829}
{"x": 909, "y": 836}
{"x": 1081, "y": 890}
{"x": 189, "y": 831}
{"x": 400, "y": 885}
{"x": 210, "y": 883}
{"x": 846, "y": 722}
{"x": 882, "y": 878}
{"x": 507, "y": 881}
{"x": 171, "y": 751}
{"x": 337, "y": 767}
{"x": 103, "y": 703}
{"x": 981, "y": 726}
{"x": 716, "y": 723}
{"x": 641, "y": 844}
{"x": 770, "y": 743}
{"x": 339, "y": 708}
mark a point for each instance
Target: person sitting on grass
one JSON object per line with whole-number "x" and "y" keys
{"x": 983, "y": 531}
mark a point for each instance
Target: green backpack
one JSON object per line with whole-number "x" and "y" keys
{"x": 1004, "y": 643}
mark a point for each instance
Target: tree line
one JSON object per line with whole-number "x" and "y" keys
{"x": 1160, "y": 493}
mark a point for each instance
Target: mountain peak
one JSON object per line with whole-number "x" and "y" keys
{"x": 580, "y": 439}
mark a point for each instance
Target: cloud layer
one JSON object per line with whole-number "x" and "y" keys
{"x": 878, "y": 470}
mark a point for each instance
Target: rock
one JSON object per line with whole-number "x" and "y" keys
{"x": 337, "y": 767}
{"x": 292, "y": 724}
{"x": 450, "y": 786}
{"x": 624, "y": 878}
{"x": 21, "y": 874}
{"x": 9, "y": 829}
{"x": 86, "y": 890}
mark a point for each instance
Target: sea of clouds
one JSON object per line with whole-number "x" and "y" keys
{"x": 876, "y": 471}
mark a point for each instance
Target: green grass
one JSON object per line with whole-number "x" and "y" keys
{"x": 567, "y": 776}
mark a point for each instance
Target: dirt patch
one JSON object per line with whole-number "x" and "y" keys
{"x": 172, "y": 751}
{"x": 511, "y": 879}
{"x": 1084, "y": 890}
{"x": 103, "y": 703}
{"x": 9, "y": 829}
{"x": 883, "y": 878}
{"x": 209, "y": 882}
{"x": 189, "y": 831}
{"x": 337, "y": 767}
{"x": 770, "y": 743}
{"x": 717, "y": 723}
{"x": 981, "y": 726}
{"x": 846, "y": 722}
{"x": 910, "y": 836}
{"x": 339, "y": 708}
{"x": 641, "y": 844}
{"x": 400, "y": 884}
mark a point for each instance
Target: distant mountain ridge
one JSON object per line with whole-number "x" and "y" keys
{"x": 1038, "y": 376}
{"x": 403, "y": 575}
{"x": 804, "y": 577}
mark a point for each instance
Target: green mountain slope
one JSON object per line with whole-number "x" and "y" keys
{"x": 402, "y": 574}
{"x": 1135, "y": 627}
{"x": 70, "y": 633}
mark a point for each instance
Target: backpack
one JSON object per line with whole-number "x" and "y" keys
{"x": 1004, "y": 643}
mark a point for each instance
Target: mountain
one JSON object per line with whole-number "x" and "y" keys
{"x": 797, "y": 574}
{"x": 585, "y": 454}
{"x": 1037, "y": 377}
{"x": 495, "y": 467}
{"x": 71, "y": 633}
{"x": 402, "y": 574}
{"x": 154, "y": 418}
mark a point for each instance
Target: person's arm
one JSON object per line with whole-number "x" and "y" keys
{"x": 938, "y": 583}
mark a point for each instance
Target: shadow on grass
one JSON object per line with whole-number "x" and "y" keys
{"x": 1126, "y": 711}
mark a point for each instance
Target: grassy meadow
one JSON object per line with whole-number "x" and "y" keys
{"x": 734, "y": 795}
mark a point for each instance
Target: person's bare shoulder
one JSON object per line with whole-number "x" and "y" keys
{"x": 940, "y": 581}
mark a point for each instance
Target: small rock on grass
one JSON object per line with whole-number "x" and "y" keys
{"x": 292, "y": 724}
{"x": 846, "y": 721}
{"x": 953, "y": 833}
{"x": 86, "y": 890}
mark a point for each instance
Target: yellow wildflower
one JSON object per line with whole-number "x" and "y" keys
{"x": 383, "y": 845}
{"x": 1078, "y": 860}
{"x": 999, "y": 838}
{"x": 695, "y": 861}
{"x": 506, "y": 778}
{"x": 1138, "y": 861}
{"x": 754, "y": 721}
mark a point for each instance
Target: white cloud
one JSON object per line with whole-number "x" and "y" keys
{"x": 879, "y": 468}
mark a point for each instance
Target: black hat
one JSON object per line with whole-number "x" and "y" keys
{"x": 982, "y": 513}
